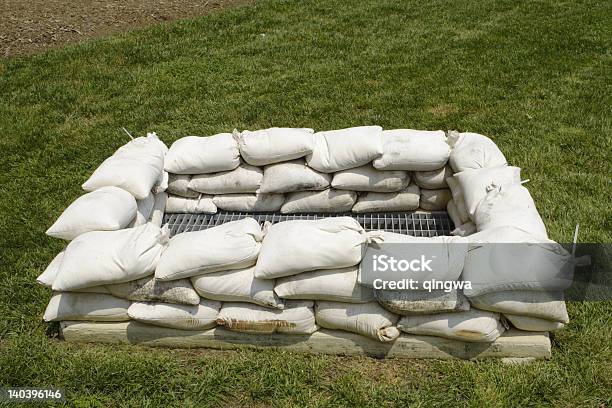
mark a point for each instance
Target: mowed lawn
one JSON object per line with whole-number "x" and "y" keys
{"x": 535, "y": 76}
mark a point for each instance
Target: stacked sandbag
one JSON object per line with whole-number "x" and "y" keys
{"x": 509, "y": 206}
{"x": 521, "y": 275}
{"x": 337, "y": 285}
{"x": 238, "y": 285}
{"x": 367, "y": 319}
{"x": 106, "y": 209}
{"x": 135, "y": 167}
{"x": 292, "y": 247}
{"x": 527, "y": 309}
{"x": 178, "y": 185}
{"x": 297, "y": 317}
{"x": 275, "y": 145}
{"x": 233, "y": 245}
{"x": 290, "y": 176}
{"x": 413, "y": 150}
{"x": 200, "y": 316}
{"x": 258, "y": 202}
{"x": 473, "y": 151}
{"x": 475, "y": 184}
{"x": 434, "y": 200}
{"x": 403, "y": 200}
{"x": 469, "y": 326}
{"x": 337, "y": 150}
{"x": 418, "y": 302}
{"x": 149, "y": 289}
{"x": 433, "y": 179}
{"x": 203, "y": 155}
{"x": 368, "y": 178}
{"x": 95, "y": 307}
{"x": 203, "y": 204}
{"x": 106, "y": 257}
{"x": 330, "y": 200}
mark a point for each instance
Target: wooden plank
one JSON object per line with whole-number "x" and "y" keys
{"x": 513, "y": 343}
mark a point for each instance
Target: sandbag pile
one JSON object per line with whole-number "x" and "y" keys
{"x": 295, "y": 277}
{"x": 298, "y": 170}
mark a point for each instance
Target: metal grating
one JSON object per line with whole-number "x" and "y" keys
{"x": 418, "y": 223}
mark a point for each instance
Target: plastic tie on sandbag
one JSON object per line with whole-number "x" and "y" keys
{"x": 237, "y": 135}
{"x": 266, "y": 228}
{"x": 165, "y": 235}
{"x": 376, "y": 237}
{"x": 128, "y": 133}
{"x": 584, "y": 260}
{"x": 452, "y": 137}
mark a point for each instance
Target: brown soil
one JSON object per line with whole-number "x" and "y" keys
{"x": 32, "y": 26}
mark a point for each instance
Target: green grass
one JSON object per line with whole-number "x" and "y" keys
{"x": 533, "y": 75}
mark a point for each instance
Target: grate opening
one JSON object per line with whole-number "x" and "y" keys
{"x": 417, "y": 224}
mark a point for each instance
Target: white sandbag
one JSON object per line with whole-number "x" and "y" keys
{"x": 458, "y": 201}
{"x": 507, "y": 258}
{"x": 107, "y": 209}
{"x": 296, "y": 318}
{"x": 411, "y": 302}
{"x": 413, "y": 150}
{"x": 337, "y": 285}
{"x": 243, "y": 179}
{"x": 464, "y": 230}
{"x": 367, "y": 319}
{"x": 249, "y": 202}
{"x": 159, "y": 207}
{"x": 404, "y": 200}
{"x": 233, "y": 245}
{"x": 202, "y": 205}
{"x": 533, "y": 303}
{"x": 472, "y": 326}
{"x": 144, "y": 210}
{"x": 239, "y": 285}
{"x": 367, "y": 178}
{"x": 86, "y": 306}
{"x": 149, "y": 289}
{"x": 447, "y": 254}
{"x": 183, "y": 317}
{"x": 105, "y": 257}
{"x": 475, "y": 184}
{"x": 509, "y": 206}
{"x": 533, "y": 323}
{"x": 178, "y": 184}
{"x": 330, "y": 200}
{"x": 293, "y": 176}
{"x": 48, "y": 276}
{"x": 267, "y": 146}
{"x": 434, "y": 200}
{"x": 135, "y": 167}
{"x": 197, "y": 155}
{"x": 291, "y": 247}
{"x": 473, "y": 151}
{"x": 342, "y": 149}
{"x": 433, "y": 179}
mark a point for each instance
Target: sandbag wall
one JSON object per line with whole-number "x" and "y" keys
{"x": 362, "y": 169}
{"x": 297, "y": 276}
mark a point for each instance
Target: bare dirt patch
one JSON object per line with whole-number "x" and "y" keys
{"x": 32, "y": 26}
